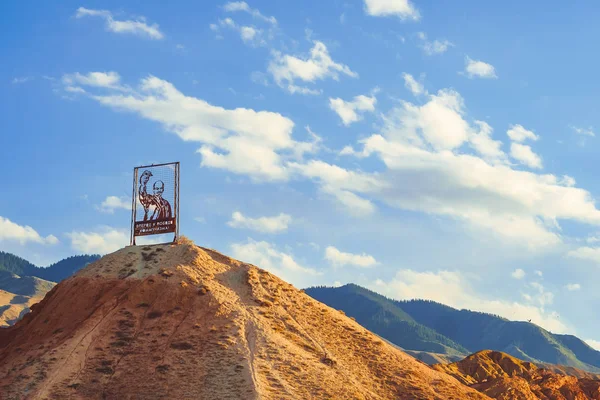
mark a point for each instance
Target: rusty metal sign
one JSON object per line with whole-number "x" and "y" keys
{"x": 155, "y": 203}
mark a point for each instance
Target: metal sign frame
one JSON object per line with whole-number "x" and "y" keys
{"x": 156, "y": 226}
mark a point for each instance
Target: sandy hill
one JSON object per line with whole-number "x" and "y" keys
{"x": 183, "y": 322}
{"x": 501, "y": 376}
{"x": 17, "y": 294}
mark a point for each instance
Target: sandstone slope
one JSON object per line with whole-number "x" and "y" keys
{"x": 17, "y": 294}
{"x": 183, "y": 322}
{"x": 501, "y": 376}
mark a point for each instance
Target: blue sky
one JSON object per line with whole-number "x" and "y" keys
{"x": 442, "y": 152}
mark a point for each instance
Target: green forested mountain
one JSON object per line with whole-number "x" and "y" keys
{"x": 429, "y": 326}
{"x": 383, "y": 317}
{"x": 55, "y": 272}
{"x": 16, "y": 265}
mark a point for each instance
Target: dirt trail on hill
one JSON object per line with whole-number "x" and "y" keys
{"x": 184, "y": 322}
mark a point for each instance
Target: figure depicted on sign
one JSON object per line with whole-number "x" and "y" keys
{"x": 161, "y": 207}
{"x": 145, "y": 198}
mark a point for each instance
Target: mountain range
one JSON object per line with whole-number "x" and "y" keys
{"x": 54, "y": 273}
{"x": 428, "y": 327}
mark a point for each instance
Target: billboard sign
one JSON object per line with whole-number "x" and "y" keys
{"x": 155, "y": 205}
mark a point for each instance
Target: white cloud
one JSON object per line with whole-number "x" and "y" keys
{"x": 584, "y": 131}
{"x": 481, "y": 141}
{"x": 339, "y": 258}
{"x": 440, "y": 122}
{"x": 276, "y": 224}
{"x": 250, "y": 35}
{"x": 235, "y": 6}
{"x": 104, "y": 240}
{"x": 542, "y": 297}
{"x": 109, "y": 80}
{"x": 10, "y": 231}
{"x": 137, "y": 27}
{"x": 428, "y": 170}
{"x": 517, "y": 133}
{"x": 538, "y": 273}
{"x": 586, "y": 253}
{"x": 111, "y": 203}
{"x": 573, "y": 286}
{"x": 595, "y": 344}
{"x": 433, "y": 47}
{"x": 518, "y": 273}
{"x": 287, "y": 69}
{"x": 403, "y": 9}
{"x": 451, "y": 288}
{"x": 21, "y": 79}
{"x": 266, "y": 256}
{"x": 341, "y": 183}
{"x": 523, "y": 154}
{"x": 413, "y": 85}
{"x": 479, "y": 69}
{"x": 351, "y": 111}
{"x": 243, "y": 141}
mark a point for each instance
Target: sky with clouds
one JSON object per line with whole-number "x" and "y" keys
{"x": 424, "y": 151}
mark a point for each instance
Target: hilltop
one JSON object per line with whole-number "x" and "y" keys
{"x": 180, "y": 321}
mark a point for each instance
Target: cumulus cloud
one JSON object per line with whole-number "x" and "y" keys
{"x": 351, "y": 111}
{"x": 109, "y": 80}
{"x": 111, "y": 203}
{"x": 102, "y": 241}
{"x": 286, "y": 69}
{"x": 21, "y": 79}
{"x": 453, "y": 289}
{"x": 586, "y": 253}
{"x": 243, "y": 141}
{"x": 137, "y": 27}
{"x": 518, "y": 273}
{"x": 339, "y": 258}
{"x": 250, "y": 35}
{"x": 571, "y": 287}
{"x": 518, "y": 134}
{"x": 429, "y": 170}
{"x": 266, "y": 256}
{"x": 341, "y": 184}
{"x": 276, "y": 224}
{"x": 595, "y": 344}
{"x": 584, "y": 131}
{"x": 479, "y": 69}
{"x": 434, "y": 47}
{"x": 11, "y": 231}
{"x": 413, "y": 85}
{"x": 403, "y": 9}
{"x": 524, "y": 155}
{"x": 236, "y": 6}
